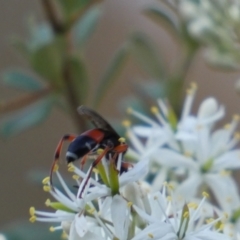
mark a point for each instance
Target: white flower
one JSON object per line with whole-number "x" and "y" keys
{"x": 109, "y": 216}
{"x": 169, "y": 221}
{"x": 2, "y": 237}
{"x": 214, "y": 24}
{"x": 190, "y": 146}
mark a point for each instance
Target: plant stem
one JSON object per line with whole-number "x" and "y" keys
{"x": 24, "y": 100}
{"x": 72, "y": 98}
{"x": 176, "y": 84}
{"x": 81, "y": 11}
{"x": 60, "y": 29}
{"x": 49, "y": 8}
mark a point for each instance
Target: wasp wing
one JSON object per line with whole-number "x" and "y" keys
{"x": 96, "y": 119}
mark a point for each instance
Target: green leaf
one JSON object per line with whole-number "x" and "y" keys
{"x": 21, "y": 81}
{"x": 172, "y": 118}
{"x": 86, "y": 25}
{"x": 79, "y": 77}
{"x": 146, "y": 54}
{"x": 26, "y": 118}
{"x": 40, "y": 35}
{"x": 162, "y": 16}
{"x": 114, "y": 179}
{"x": 150, "y": 89}
{"x": 70, "y": 7}
{"x": 47, "y": 61}
{"x": 59, "y": 206}
{"x": 235, "y": 215}
{"x": 29, "y": 231}
{"x": 112, "y": 72}
{"x": 103, "y": 174}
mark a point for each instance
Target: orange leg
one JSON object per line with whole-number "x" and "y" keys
{"x": 122, "y": 148}
{"x": 94, "y": 164}
{"x": 69, "y": 138}
{"x": 83, "y": 161}
{"x": 125, "y": 166}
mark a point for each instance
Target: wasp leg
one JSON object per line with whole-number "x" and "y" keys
{"x": 94, "y": 164}
{"x": 83, "y": 161}
{"x": 67, "y": 137}
{"x": 125, "y": 166}
{"x": 120, "y": 148}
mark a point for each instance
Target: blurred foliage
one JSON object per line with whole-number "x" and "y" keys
{"x": 58, "y": 74}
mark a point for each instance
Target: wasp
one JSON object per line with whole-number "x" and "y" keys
{"x": 102, "y": 136}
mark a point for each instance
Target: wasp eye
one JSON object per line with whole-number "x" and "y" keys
{"x": 71, "y": 157}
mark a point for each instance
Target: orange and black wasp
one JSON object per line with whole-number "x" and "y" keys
{"x": 102, "y": 136}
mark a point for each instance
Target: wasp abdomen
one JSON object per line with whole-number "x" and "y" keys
{"x": 83, "y": 144}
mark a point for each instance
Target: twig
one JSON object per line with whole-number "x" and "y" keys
{"x": 61, "y": 28}
{"x": 23, "y": 101}
{"x": 72, "y": 98}
{"x": 175, "y": 90}
{"x": 57, "y": 25}
{"x": 79, "y": 13}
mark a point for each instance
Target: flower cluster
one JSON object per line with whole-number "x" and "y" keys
{"x": 191, "y": 151}
{"x": 133, "y": 212}
{"x": 163, "y": 195}
{"x": 215, "y": 24}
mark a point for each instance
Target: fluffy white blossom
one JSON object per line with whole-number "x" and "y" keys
{"x": 192, "y": 147}
{"x": 214, "y": 24}
{"x": 106, "y": 204}
{"x": 167, "y": 219}
{"x": 96, "y": 210}
{"x": 124, "y": 216}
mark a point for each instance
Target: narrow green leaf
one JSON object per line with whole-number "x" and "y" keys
{"x": 40, "y": 35}
{"x": 47, "y": 61}
{"x": 70, "y": 7}
{"x": 162, "y": 16}
{"x": 172, "y": 118}
{"x": 114, "y": 179}
{"x": 85, "y": 26}
{"x": 79, "y": 77}
{"x": 150, "y": 90}
{"x": 146, "y": 54}
{"x": 21, "y": 81}
{"x": 235, "y": 215}
{"x": 26, "y": 118}
{"x": 112, "y": 72}
{"x": 103, "y": 174}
